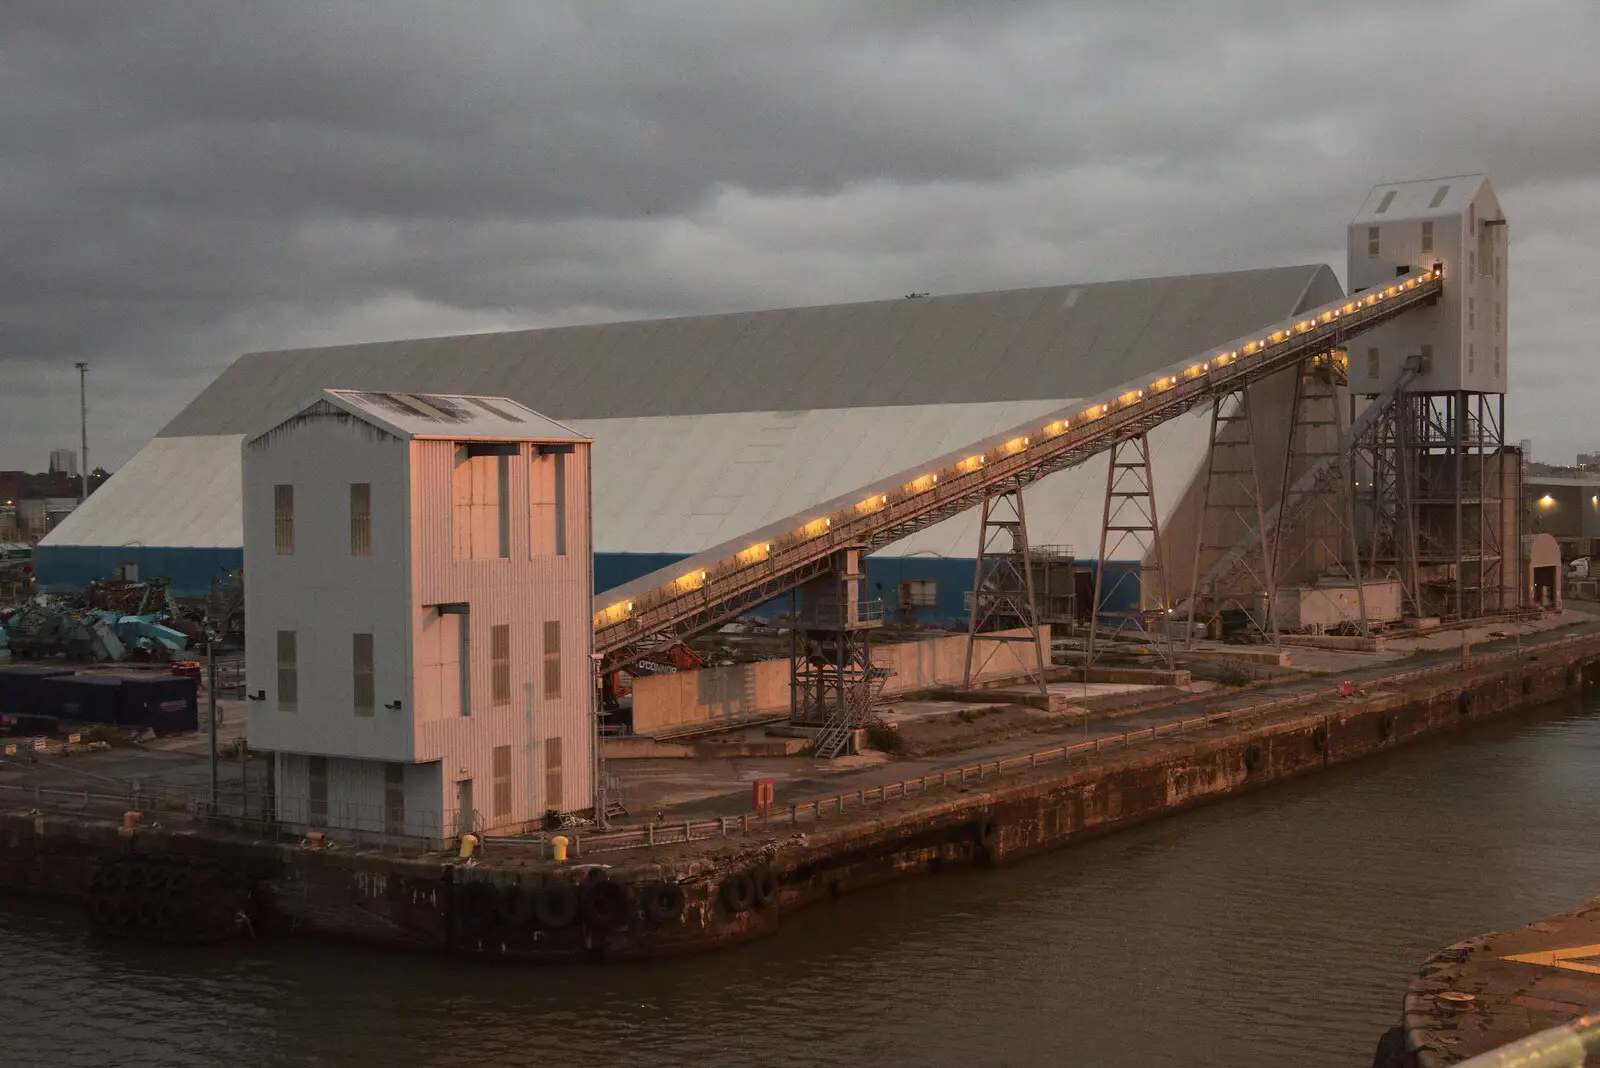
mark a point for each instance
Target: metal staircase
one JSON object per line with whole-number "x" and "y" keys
{"x": 853, "y": 714}
{"x": 664, "y": 607}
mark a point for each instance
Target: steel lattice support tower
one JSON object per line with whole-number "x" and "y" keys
{"x": 1325, "y": 545}
{"x": 1002, "y": 585}
{"x": 1129, "y": 515}
{"x": 1231, "y": 509}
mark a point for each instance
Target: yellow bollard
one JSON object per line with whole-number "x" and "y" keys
{"x": 469, "y": 846}
{"x": 558, "y": 848}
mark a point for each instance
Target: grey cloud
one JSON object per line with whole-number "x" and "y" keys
{"x": 181, "y": 181}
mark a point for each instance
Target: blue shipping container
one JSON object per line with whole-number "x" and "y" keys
{"x": 19, "y": 687}
{"x": 164, "y": 703}
{"x": 79, "y": 698}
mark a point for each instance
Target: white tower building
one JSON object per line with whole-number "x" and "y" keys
{"x": 419, "y": 612}
{"x": 1410, "y": 226}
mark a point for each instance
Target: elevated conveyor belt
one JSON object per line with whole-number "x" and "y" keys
{"x": 720, "y": 583}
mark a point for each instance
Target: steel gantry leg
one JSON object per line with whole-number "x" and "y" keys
{"x": 1232, "y": 512}
{"x": 1130, "y": 515}
{"x": 1002, "y": 586}
{"x": 1330, "y": 548}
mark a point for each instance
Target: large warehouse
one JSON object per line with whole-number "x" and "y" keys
{"x": 709, "y": 426}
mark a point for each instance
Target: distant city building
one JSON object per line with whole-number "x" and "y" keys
{"x": 1589, "y": 459}
{"x": 64, "y": 462}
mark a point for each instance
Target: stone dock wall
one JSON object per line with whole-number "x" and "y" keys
{"x": 693, "y": 897}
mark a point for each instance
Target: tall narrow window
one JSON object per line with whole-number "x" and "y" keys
{"x": 1472, "y": 263}
{"x": 1472, "y": 314}
{"x": 1497, "y": 361}
{"x": 1373, "y": 366}
{"x": 560, "y": 473}
{"x": 288, "y": 673}
{"x": 1472, "y": 358}
{"x": 361, "y": 670}
{"x": 553, "y": 792}
{"x": 552, "y": 658}
{"x": 502, "y": 505}
{"x": 317, "y": 791}
{"x": 464, "y": 662}
{"x": 1427, "y": 236}
{"x": 1372, "y": 241}
{"x": 283, "y": 519}
{"x": 547, "y": 501}
{"x": 500, "y": 664}
{"x": 360, "y": 519}
{"x": 502, "y": 783}
{"x": 394, "y": 799}
{"x": 1497, "y": 316}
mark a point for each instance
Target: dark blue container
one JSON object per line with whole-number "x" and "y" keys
{"x": 19, "y": 687}
{"x": 164, "y": 703}
{"x": 79, "y": 698}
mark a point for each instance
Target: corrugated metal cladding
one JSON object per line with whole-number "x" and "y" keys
{"x": 783, "y": 367}
{"x": 682, "y": 484}
{"x": 1052, "y": 341}
{"x": 524, "y": 592}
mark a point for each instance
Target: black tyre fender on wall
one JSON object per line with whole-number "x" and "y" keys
{"x": 1252, "y": 757}
{"x": 606, "y": 903}
{"x": 1464, "y": 701}
{"x": 738, "y": 892}
{"x": 986, "y": 834}
{"x": 663, "y": 902}
{"x": 1319, "y": 738}
{"x": 766, "y": 887}
{"x": 1385, "y": 725}
{"x": 515, "y": 904}
{"x": 555, "y": 905}
{"x": 475, "y": 906}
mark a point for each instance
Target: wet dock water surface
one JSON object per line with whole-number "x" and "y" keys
{"x": 1278, "y": 928}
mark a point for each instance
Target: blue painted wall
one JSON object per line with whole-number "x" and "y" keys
{"x": 952, "y": 578}
{"x": 69, "y": 568}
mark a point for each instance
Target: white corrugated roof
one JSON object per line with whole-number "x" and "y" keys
{"x": 450, "y": 415}
{"x": 1050, "y": 341}
{"x": 682, "y": 484}
{"x": 1422, "y": 199}
{"x": 183, "y": 492}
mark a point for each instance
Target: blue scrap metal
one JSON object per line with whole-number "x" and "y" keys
{"x": 46, "y": 628}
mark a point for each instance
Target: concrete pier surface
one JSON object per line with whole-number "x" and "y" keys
{"x": 1493, "y": 989}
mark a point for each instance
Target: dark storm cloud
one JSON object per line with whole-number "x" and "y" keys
{"x": 181, "y": 182}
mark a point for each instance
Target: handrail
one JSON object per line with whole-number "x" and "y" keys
{"x": 722, "y": 582}
{"x": 1565, "y": 1046}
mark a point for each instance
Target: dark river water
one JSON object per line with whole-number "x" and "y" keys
{"x": 1278, "y": 929}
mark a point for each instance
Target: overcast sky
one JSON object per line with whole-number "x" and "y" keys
{"x": 183, "y": 182}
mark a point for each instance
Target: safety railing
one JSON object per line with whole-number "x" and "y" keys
{"x": 814, "y": 810}
{"x": 239, "y": 812}
{"x": 1566, "y": 1046}
{"x": 722, "y": 582}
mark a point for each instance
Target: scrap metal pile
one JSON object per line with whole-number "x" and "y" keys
{"x": 111, "y": 621}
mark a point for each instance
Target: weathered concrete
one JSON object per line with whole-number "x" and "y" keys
{"x": 485, "y": 909}
{"x": 1246, "y": 654}
{"x": 1492, "y": 989}
{"x": 716, "y": 698}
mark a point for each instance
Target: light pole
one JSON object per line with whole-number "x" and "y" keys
{"x": 83, "y": 431}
